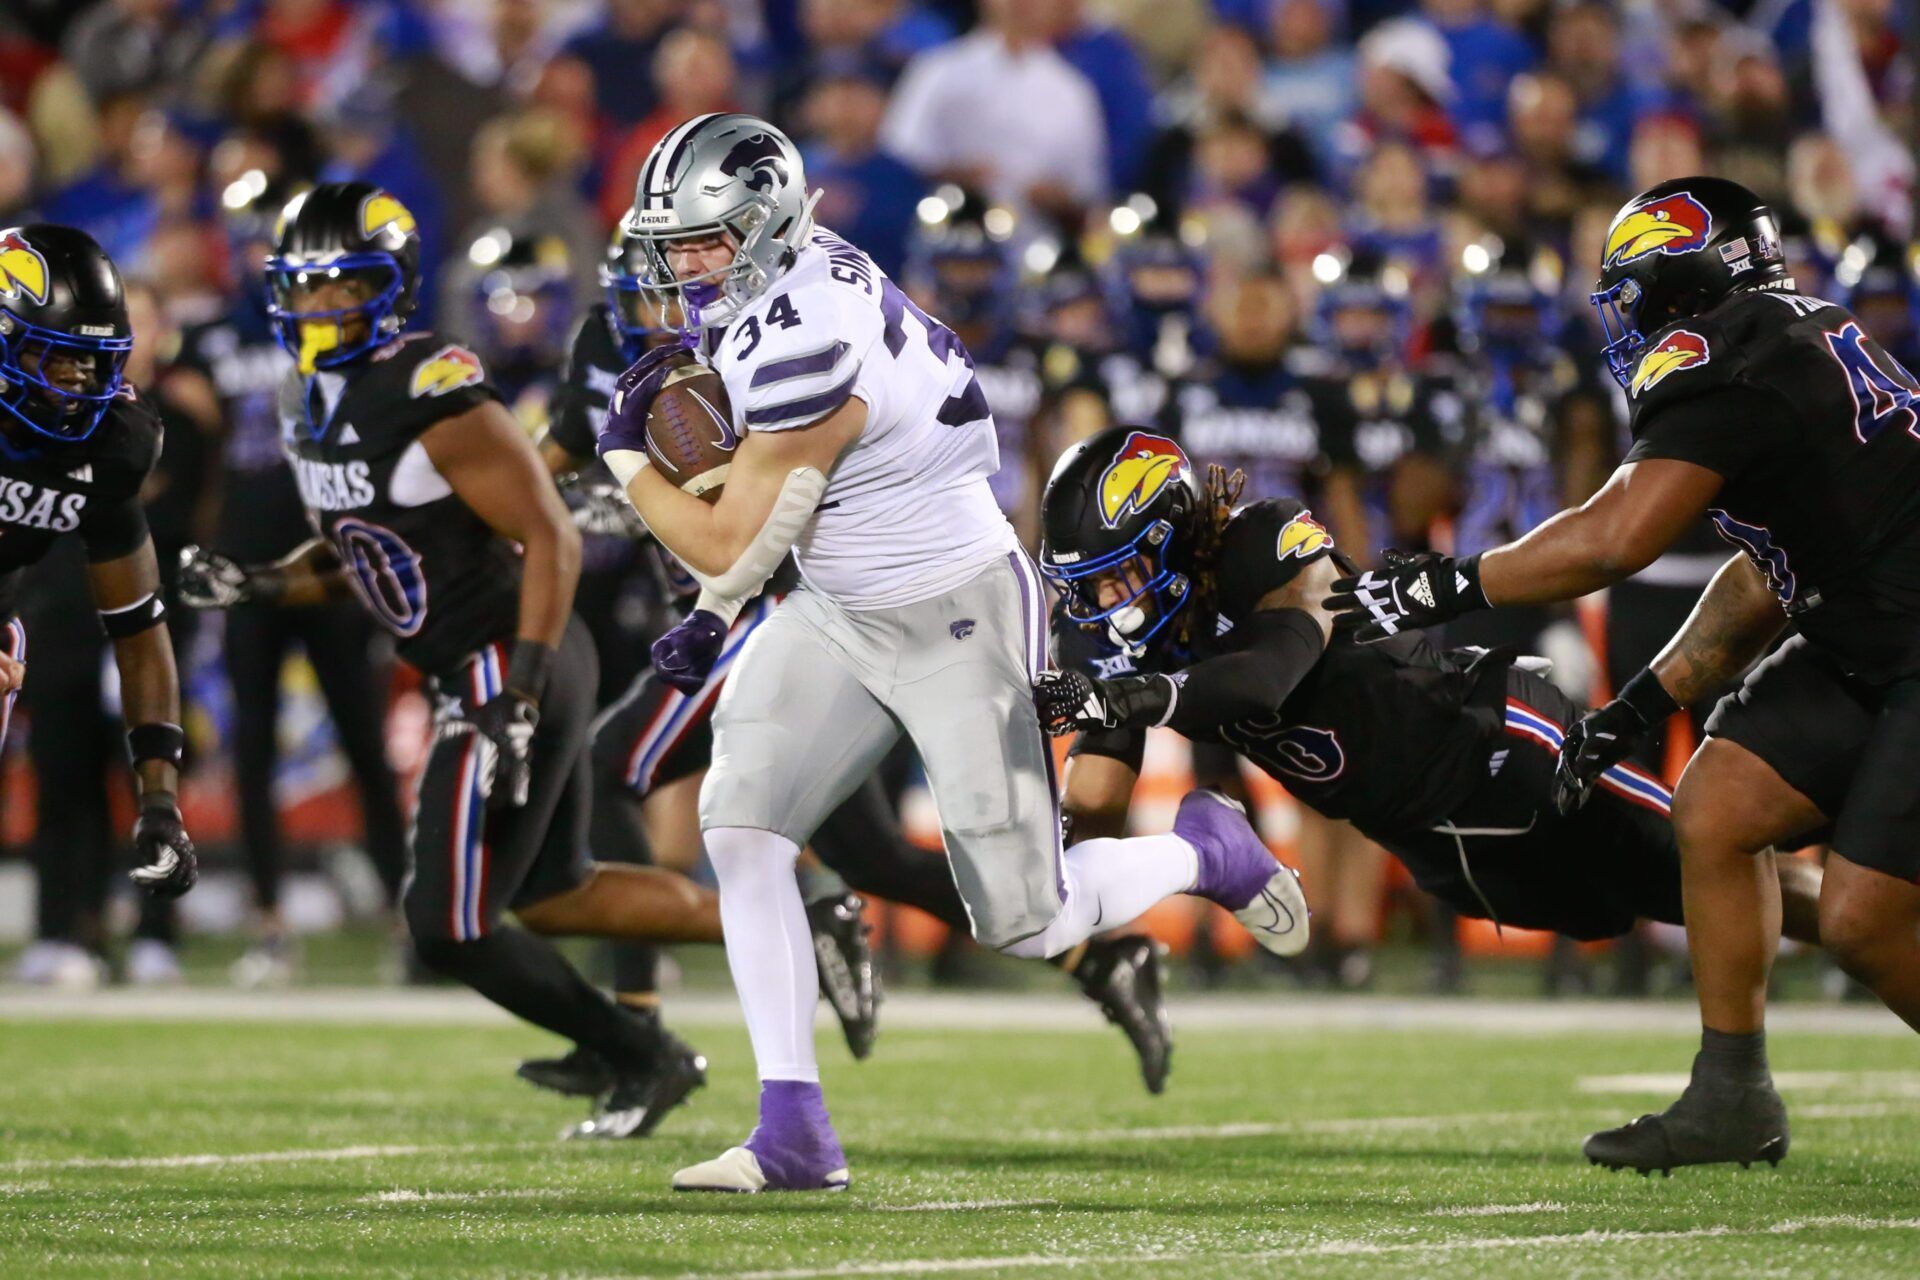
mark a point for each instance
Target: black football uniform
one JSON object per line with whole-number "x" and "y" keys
{"x": 1445, "y": 758}
{"x": 1815, "y": 429}
{"x": 87, "y": 487}
{"x": 438, "y": 577}
{"x": 261, "y": 520}
{"x": 1378, "y": 418}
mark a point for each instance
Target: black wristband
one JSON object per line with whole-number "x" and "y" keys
{"x": 528, "y": 668}
{"x": 158, "y": 741}
{"x": 1648, "y": 698}
{"x": 1471, "y": 592}
{"x": 164, "y": 801}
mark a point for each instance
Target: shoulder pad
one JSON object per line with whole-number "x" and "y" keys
{"x": 794, "y": 359}
{"x": 1683, "y": 360}
{"x": 434, "y": 368}
{"x": 131, "y": 435}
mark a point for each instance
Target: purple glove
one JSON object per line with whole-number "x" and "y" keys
{"x": 633, "y": 394}
{"x": 684, "y": 657}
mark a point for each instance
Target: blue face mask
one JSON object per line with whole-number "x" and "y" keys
{"x": 1147, "y": 610}
{"x": 1618, "y": 308}
{"x": 44, "y": 405}
{"x": 316, "y": 339}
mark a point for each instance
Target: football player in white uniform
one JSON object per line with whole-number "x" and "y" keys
{"x": 866, "y": 447}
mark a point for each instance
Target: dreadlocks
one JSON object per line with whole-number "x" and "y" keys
{"x": 1210, "y": 518}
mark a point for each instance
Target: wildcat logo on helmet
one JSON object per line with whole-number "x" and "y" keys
{"x": 380, "y": 212}
{"x": 757, "y": 161}
{"x": 1676, "y": 224}
{"x": 23, "y": 272}
{"x": 1302, "y": 537}
{"x": 447, "y": 369}
{"x": 1145, "y": 466}
{"x": 1681, "y": 349}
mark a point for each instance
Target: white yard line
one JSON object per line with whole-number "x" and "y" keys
{"x": 1497, "y": 1210}
{"x": 215, "y": 1160}
{"x": 1324, "y": 1249}
{"x": 403, "y": 1195}
{"x": 1029, "y": 1014}
{"x": 947, "y": 1206}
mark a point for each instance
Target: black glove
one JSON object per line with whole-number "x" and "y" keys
{"x": 684, "y": 657}
{"x": 1601, "y": 739}
{"x": 167, "y": 868}
{"x": 1411, "y": 592}
{"x": 1073, "y": 700}
{"x": 505, "y": 725}
{"x": 209, "y": 580}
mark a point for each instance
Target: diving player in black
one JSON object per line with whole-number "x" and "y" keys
{"x": 76, "y": 443}
{"x": 659, "y": 734}
{"x": 434, "y": 510}
{"x": 1180, "y": 610}
{"x": 1779, "y": 417}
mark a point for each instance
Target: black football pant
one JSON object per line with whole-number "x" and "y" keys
{"x": 336, "y": 640}
{"x": 472, "y": 863}
{"x": 76, "y": 745}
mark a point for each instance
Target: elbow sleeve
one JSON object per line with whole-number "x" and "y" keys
{"x": 1256, "y": 680}
{"x": 799, "y": 495}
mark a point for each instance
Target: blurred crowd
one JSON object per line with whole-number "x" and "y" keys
{"x": 1343, "y": 246}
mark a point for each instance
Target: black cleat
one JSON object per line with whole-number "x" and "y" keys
{"x": 580, "y": 1074}
{"x": 1717, "y": 1123}
{"x": 847, "y": 978}
{"x": 1122, "y": 976}
{"x": 639, "y": 1100}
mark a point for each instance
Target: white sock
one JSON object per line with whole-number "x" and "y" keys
{"x": 769, "y": 947}
{"x": 1109, "y": 882}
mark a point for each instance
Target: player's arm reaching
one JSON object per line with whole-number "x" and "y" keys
{"x": 310, "y": 574}
{"x": 126, "y": 590}
{"x": 1728, "y": 630}
{"x": 492, "y": 467}
{"x": 1287, "y": 633}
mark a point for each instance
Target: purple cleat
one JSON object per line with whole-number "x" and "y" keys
{"x": 793, "y": 1148}
{"x": 1239, "y": 872}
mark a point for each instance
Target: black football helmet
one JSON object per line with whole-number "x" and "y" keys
{"x": 641, "y": 314}
{"x": 1506, "y": 296}
{"x": 1677, "y": 250}
{"x": 64, "y": 333}
{"x": 1119, "y": 510}
{"x": 523, "y": 298}
{"x": 1364, "y": 309}
{"x": 958, "y": 256}
{"x": 342, "y": 231}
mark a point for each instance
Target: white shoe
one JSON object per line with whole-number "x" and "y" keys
{"x": 1277, "y": 917}
{"x": 738, "y": 1169}
{"x": 151, "y": 963}
{"x": 64, "y": 966}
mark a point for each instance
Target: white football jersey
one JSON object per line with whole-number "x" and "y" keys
{"x": 908, "y": 512}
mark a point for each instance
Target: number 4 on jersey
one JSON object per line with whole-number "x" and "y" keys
{"x": 1883, "y": 394}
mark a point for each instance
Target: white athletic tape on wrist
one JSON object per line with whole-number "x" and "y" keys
{"x": 625, "y": 465}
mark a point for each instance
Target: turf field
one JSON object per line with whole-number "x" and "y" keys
{"x": 311, "y": 1135}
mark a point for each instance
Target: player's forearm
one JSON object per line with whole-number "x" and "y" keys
{"x": 150, "y": 695}
{"x": 1569, "y": 556}
{"x": 682, "y": 523}
{"x": 309, "y": 575}
{"x": 1732, "y": 625}
{"x": 549, "y": 575}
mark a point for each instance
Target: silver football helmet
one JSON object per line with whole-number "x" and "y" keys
{"x": 725, "y": 172}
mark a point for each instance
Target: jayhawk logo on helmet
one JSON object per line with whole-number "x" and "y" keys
{"x": 1145, "y": 465}
{"x": 1674, "y": 224}
{"x": 1681, "y": 349}
{"x": 448, "y": 369}
{"x": 383, "y": 217}
{"x": 23, "y": 272}
{"x": 1302, "y": 537}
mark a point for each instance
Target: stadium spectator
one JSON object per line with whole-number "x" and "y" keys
{"x": 1404, "y": 93}
{"x": 132, "y": 46}
{"x": 694, "y": 73}
{"x": 1749, "y": 120}
{"x": 868, "y": 195}
{"x": 1392, "y": 215}
{"x": 1583, "y": 49}
{"x": 108, "y": 199}
{"x": 1111, "y": 65}
{"x": 1484, "y": 54}
{"x": 1309, "y": 85}
{"x": 615, "y": 50}
{"x": 16, "y": 165}
{"x": 1224, "y": 89}
{"x": 1493, "y": 192}
{"x": 1543, "y": 117}
{"x": 1000, "y": 110}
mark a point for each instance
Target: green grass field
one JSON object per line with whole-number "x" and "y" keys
{"x": 196, "y": 1147}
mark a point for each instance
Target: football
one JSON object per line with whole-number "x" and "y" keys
{"x": 690, "y": 433}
